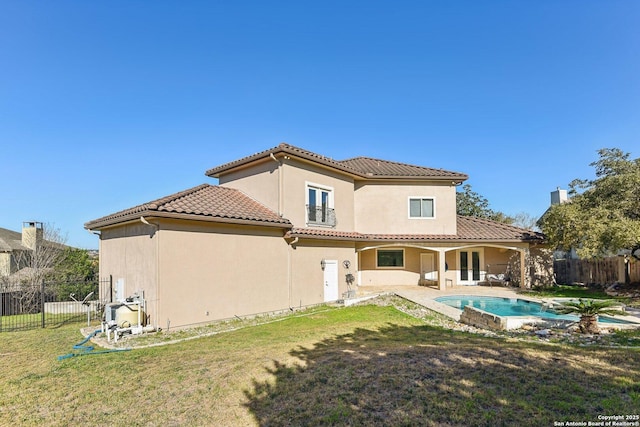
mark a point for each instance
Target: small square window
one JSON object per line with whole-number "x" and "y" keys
{"x": 421, "y": 207}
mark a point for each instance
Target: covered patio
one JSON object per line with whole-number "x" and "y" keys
{"x": 480, "y": 249}
{"x": 440, "y": 265}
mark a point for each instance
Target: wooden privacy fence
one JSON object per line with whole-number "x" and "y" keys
{"x": 604, "y": 271}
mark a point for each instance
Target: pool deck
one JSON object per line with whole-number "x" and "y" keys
{"x": 425, "y": 296}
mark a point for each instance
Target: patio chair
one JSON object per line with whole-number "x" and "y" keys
{"x": 498, "y": 278}
{"x": 501, "y": 279}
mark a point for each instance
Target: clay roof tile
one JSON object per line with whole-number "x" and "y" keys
{"x": 202, "y": 202}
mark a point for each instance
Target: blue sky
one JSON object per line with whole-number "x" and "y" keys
{"x": 106, "y": 105}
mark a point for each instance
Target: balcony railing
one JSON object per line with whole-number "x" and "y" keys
{"x": 319, "y": 215}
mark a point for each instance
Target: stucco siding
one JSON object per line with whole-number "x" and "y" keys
{"x": 496, "y": 259}
{"x": 307, "y": 274}
{"x": 128, "y": 253}
{"x": 282, "y": 187}
{"x": 218, "y": 272}
{"x": 260, "y": 182}
{"x": 194, "y": 272}
{"x": 383, "y": 207}
{"x": 409, "y": 274}
{"x": 296, "y": 177}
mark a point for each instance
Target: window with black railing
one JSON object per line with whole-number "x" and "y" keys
{"x": 320, "y": 207}
{"x": 321, "y": 215}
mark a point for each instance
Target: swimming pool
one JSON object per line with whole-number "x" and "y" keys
{"x": 512, "y": 307}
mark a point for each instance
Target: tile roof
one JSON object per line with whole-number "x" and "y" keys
{"x": 469, "y": 229}
{"x": 385, "y": 169}
{"x": 473, "y": 228}
{"x": 359, "y": 167}
{"x": 224, "y": 204}
{"x": 207, "y": 202}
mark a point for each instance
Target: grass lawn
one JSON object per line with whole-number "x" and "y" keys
{"x": 29, "y": 321}
{"x": 363, "y": 365}
{"x": 571, "y": 291}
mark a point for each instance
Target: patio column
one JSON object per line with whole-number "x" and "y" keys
{"x": 523, "y": 275}
{"x": 442, "y": 283}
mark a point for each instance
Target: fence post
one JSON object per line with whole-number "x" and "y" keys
{"x": 42, "y": 301}
{"x": 110, "y": 288}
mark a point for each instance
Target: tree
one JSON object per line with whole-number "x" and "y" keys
{"x": 603, "y": 214}
{"x": 470, "y": 203}
{"x": 525, "y": 220}
{"x": 38, "y": 263}
{"x": 74, "y": 274}
{"x": 589, "y": 310}
{"x": 76, "y": 264}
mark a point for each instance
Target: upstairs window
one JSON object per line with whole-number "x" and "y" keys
{"x": 320, "y": 206}
{"x": 421, "y": 207}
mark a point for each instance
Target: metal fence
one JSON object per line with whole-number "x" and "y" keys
{"x": 26, "y": 306}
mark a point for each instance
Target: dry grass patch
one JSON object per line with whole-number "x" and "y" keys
{"x": 391, "y": 377}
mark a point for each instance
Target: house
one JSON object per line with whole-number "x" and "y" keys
{"x": 16, "y": 249}
{"x": 287, "y": 227}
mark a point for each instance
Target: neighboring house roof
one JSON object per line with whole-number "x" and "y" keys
{"x": 358, "y": 167}
{"x": 204, "y": 202}
{"x": 469, "y": 229}
{"x": 11, "y": 241}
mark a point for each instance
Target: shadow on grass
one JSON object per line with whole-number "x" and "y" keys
{"x": 425, "y": 376}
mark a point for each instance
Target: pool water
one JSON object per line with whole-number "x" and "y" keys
{"x": 512, "y": 307}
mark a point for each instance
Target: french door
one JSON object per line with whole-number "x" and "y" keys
{"x": 469, "y": 266}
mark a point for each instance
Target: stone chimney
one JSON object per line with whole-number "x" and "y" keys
{"x": 558, "y": 196}
{"x": 32, "y": 232}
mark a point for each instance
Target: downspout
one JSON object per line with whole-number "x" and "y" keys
{"x": 157, "y": 298}
{"x": 290, "y": 271}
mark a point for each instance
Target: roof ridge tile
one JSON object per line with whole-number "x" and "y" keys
{"x": 343, "y": 165}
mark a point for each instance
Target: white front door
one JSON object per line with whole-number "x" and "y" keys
{"x": 330, "y": 280}
{"x": 469, "y": 267}
{"x": 427, "y": 267}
